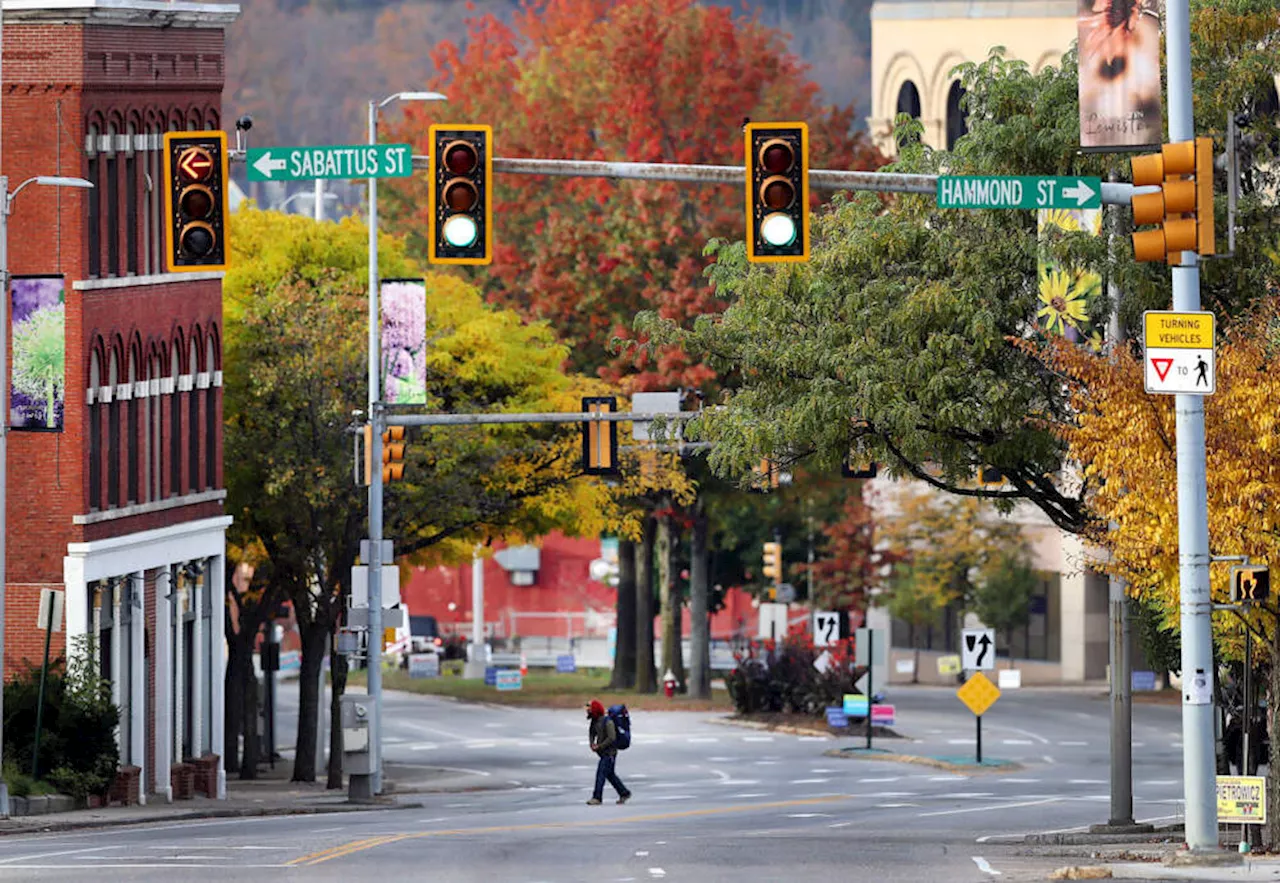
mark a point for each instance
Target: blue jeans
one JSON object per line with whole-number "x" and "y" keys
{"x": 604, "y": 770}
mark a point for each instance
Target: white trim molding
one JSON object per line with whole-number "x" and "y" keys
{"x": 166, "y": 385}
{"x": 105, "y": 394}
{"x": 202, "y": 380}
{"x": 124, "y": 392}
{"x": 185, "y": 382}
{"x": 217, "y": 378}
{"x": 153, "y": 387}
{"x": 89, "y": 395}
{"x": 140, "y": 281}
{"x": 154, "y": 506}
{"x": 141, "y": 389}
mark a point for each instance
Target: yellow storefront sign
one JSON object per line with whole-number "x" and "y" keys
{"x": 948, "y": 665}
{"x": 1242, "y": 800}
{"x": 1168, "y": 330}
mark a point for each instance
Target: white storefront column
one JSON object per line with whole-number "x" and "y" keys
{"x": 179, "y": 599}
{"x": 198, "y": 588}
{"x": 164, "y": 681}
{"x": 76, "y": 602}
{"x": 217, "y": 665}
{"x": 120, "y": 697}
{"x": 138, "y": 681}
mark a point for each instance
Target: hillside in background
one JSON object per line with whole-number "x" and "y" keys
{"x": 306, "y": 71}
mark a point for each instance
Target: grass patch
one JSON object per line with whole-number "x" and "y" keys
{"x": 547, "y": 690}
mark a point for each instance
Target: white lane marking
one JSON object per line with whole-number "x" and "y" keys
{"x": 1073, "y": 744}
{"x": 641, "y": 853}
{"x": 953, "y": 778}
{"x": 675, "y": 797}
{"x": 1087, "y": 782}
{"x": 480, "y": 745}
{"x": 894, "y": 805}
{"x": 766, "y": 763}
{"x": 969, "y": 809}
{"x": 722, "y": 759}
{"x": 883, "y": 794}
{"x": 669, "y": 784}
{"x": 657, "y": 872}
{"x": 637, "y": 775}
{"x": 750, "y": 794}
{"x": 539, "y": 734}
{"x": 420, "y": 822}
{"x": 984, "y": 866}
{"x": 967, "y": 794}
{"x": 463, "y": 769}
{"x": 580, "y": 766}
{"x": 702, "y": 739}
{"x": 493, "y": 725}
{"x": 531, "y": 743}
{"x": 539, "y": 763}
{"x": 344, "y": 827}
{"x": 962, "y": 741}
{"x": 40, "y": 855}
{"x": 1048, "y": 759}
{"x": 809, "y": 781}
{"x": 739, "y": 782}
{"x": 879, "y": 779}
{"x": 840, "y": 825}
{"x": 1015, "y": 742}
{"x": 1041, "y": 739}
{"x": 1020, "y": 781}
{"x": 660, "y": 843}
{"x": 821, "y": 771}
{"x": 808, "y": 815}
{"x": 1139, "y": 744}
{"x": 424, "y": 746}
{"x": 219, "y": 848}
{"x": 457, "y": 805}
{"x": 815, "y": 738}
{"x": 1162, "y": 782}
{"x": 757, "y": 738}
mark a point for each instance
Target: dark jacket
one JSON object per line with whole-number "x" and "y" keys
{"x": 603, "y": 734}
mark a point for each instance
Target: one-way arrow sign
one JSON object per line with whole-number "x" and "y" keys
{"x": 266, "y": 166}
{"x": 1080, "y": 192}
{"x": 977, "y": 649}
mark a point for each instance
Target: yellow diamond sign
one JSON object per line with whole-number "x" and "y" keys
{"x": 979, "y": 693}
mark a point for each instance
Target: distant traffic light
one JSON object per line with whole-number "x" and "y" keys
{"x": 990, "y": 475}
{"x": 1250, "y": 584}
{"x": 853, "y": 468}
{"x": 765, "y": 476}
{"x": 599, "y": 439}
{"x": 393, "y": 449}
{"x": 777, "y": 168}
{"x": 773, "y": 562}
{"x": 1184, "y": 173}
{"x": 196, "y": 201}
{"x": 460, "y": 199}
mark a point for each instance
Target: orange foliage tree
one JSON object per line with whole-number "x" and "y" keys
{"x": 640, "y": 80}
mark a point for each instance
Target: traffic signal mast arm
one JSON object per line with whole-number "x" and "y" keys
{"x": 1113, "y": 193}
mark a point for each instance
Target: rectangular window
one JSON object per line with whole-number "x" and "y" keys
{"x": 95, "y": 457}
{"x": 113, "y": 217}
{"x": 113, "y": 454}
{"x": 95, "y": 221}
{"x": 131, "y": 213}
{"x": 131, "y": 449}
{"x": 175, "y": 445}
{"x": 210, "y": 436}
{"x": 193, "y": 438}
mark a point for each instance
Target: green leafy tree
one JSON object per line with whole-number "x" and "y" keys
{"x": 1006, "y": 587}
{"x": 39, "y": 357}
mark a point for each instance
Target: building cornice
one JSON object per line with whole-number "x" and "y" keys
{"x": 160, "y": 505}
{"x": 142, "y": 13}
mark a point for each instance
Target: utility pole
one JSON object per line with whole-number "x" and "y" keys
{"x": 1198, "y": 769}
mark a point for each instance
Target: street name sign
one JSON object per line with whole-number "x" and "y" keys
{"x": 1018, "y": 191}
{"x": 978, "y": 649}
{"x": 978, "y": 693}
{"x": 1177, "y": 356}
{"x": 333, "y": 162}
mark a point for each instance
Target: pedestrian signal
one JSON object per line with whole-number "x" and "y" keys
{"x": 1250, "y": 584}
{"x": 599, "y": 438}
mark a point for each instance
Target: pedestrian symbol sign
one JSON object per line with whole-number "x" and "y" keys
{"x": 979, "y": 693}
{"x": 1178, "y": 356}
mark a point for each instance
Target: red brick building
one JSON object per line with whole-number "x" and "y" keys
{"x": 123, "y": 506}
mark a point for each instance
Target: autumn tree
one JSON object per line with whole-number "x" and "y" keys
{"x": 848, "y": 564}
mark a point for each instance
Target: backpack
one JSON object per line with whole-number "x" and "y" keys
{"x": 622, "y": 722}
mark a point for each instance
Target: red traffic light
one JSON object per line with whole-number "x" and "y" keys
{"x": 195, "y": 164}
{"x": 777, "y": 157}
{"x": 460, "y": 158}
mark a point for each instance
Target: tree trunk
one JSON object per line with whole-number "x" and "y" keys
{"x": 252, "y": 747}
{"x": 314, "y": 640}
{"x": 624, "y": 649}
{"x": 338, "y": 672}
{"x": 700, "y": 619}
{"x": 646, "y": 678}
{"x": 670, "y": 605}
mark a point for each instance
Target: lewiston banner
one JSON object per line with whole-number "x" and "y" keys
{"x": 1119, "y": 74}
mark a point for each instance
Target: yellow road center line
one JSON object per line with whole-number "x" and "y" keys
{"x": 316, "y": 858}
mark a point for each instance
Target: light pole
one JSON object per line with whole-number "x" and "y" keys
{"x": 374, "y": 652}
{"x": 6, "y": 208}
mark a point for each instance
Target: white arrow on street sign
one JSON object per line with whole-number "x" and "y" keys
{"x": 978, "y": 649}
{"x": 266, "y": 165}
{"x": 1080, "y": 192}
{"x": 826, "y": 628}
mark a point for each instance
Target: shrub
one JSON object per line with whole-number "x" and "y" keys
{"x": 771, "y": 678}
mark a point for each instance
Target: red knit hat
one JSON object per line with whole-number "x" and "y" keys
{"x": 595, "y": 708}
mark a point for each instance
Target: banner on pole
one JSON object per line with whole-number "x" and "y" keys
{"x": 38, "y": 330}
{"x": 404, "y": 341}
{"x": 1069, "y": 296}
{"x": 1119, "y": 79}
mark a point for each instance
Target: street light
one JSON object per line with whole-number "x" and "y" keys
{"x": 6, "y": 208}
{"x": 374, "y": 660}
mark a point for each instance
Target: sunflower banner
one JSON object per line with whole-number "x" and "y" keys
{"x": 1068, "y": 295}
{"x": 1119, "y": 74}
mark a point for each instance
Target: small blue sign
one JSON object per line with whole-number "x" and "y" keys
{"x": 855, "y": 705}
{"x": 1144, "y": 680}
{"x": 490, "y": 675}
{"x": 509, "y": 679}
{"x": 836, "y": 717}
{"x": 565, "y": 664}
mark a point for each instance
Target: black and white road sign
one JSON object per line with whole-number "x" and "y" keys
{"x": 826, "y": 628}
{"x": 978, "y": 649}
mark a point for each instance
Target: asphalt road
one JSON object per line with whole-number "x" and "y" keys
{"x": 712, "y": 803}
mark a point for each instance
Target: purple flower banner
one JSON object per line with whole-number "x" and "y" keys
{"x": 404, "y": 341}
{"x": 38, "y": 329}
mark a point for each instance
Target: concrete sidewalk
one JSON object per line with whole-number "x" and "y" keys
{"x": 272, "y": 794}
{"x": 1252, "y": 868}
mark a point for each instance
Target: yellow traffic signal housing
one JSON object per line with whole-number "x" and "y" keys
{"x": 991, "y": 476}
{"x": 773, "y": 562}
{"x": 854, "y": 468}
{"x": 368, "y": 455}
{"x": 1250, "y": 584}
{"x": 1184, "y": 173}
{"x": 777, "y": 167}
{"x": 393, "y": 449}
{"x": 196, "y": 201}
{"x": 599, "y": 439}
{"x": 764, "y": 476}
{"x": 460, "y": 199}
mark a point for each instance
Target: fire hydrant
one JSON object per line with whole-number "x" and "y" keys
{"x": 669, "y": 684}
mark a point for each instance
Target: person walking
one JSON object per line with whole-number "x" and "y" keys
{"x": 602, "y": 735}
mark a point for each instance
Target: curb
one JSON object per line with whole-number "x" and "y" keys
{"x": 935, "y": 763}
{"x": 193, "y": 815}
{"x": 788, "y": 729}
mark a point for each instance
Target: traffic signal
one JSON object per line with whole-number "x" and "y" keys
{"x": 195, "y": 201}
{"x": 990, "y": 475}
{"x": 764, "y": 476}
{"x": 1250, "y": 584}
{"x": 773, "y": 561}
{"x": 599, "y": 439}
{"x": 777, "y": 163}
{"x": 393, "y": 448}
{"x": 854, "y": 468}
{"x": 460, "y": 207}
{"x": 1184, "y": 173}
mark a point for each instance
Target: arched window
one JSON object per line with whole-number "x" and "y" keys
{"x": 132, "y": 198}
{"x": 93, "y": 161}
{"x": 113, "y": 431}
{"x": 112, "y": 230}
{"x": 210, "y": 412}
{"x": 95, "y": 431}
{"x": 193, "y": 419}
{"x": 155, "y": 460}
{"x": 957, "y": 117}
{"x": 909, "y": 100}
{"x": 132, "y": 430}
{"x": 175, "y": 424}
